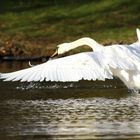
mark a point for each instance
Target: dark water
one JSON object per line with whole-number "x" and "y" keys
{"x": 83, "y": 110}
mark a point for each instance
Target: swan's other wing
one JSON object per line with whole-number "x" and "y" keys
{"x": 123, "y": 57}
{"x": 87, "y": 66}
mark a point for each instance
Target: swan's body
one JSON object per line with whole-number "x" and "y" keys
{"x": 122, "y": 61}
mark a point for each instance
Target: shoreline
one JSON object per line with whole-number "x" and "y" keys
{"x": 33, "y": 58}
{"x": 31, "y": 51}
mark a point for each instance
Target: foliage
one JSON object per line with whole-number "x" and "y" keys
{"x": 56, "y": 21}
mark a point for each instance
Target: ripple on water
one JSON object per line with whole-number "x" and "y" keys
{"x": 72, "y": 118}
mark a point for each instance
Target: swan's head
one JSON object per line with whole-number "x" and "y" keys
{"x": 61, "y": 49}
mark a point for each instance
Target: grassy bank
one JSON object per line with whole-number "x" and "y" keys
{"x": 38, "y": 26}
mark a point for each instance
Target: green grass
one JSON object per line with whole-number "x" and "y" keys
{"x": 43, "y": 24}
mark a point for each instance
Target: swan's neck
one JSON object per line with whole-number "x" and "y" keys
{"x": 85, "y": 41}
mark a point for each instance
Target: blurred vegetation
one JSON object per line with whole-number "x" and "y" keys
{"x": 39, "y": 25}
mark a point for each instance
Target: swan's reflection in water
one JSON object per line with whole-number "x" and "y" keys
{"x": 103, "y": 110}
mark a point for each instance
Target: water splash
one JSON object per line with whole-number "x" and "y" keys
{"x": 35, "y": 85}
{"x": 109, "y": 84}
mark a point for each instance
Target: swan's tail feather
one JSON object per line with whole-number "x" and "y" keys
{"x": 138, "y": 34}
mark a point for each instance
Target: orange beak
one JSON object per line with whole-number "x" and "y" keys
{"x": 55, "y": 54}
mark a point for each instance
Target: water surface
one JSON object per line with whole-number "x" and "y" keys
{"x": 83, "y": 110}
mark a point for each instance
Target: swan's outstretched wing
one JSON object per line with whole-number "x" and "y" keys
{"x": 88, "y": 66}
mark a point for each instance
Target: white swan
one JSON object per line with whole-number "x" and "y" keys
{"x": 103, "y": 63}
